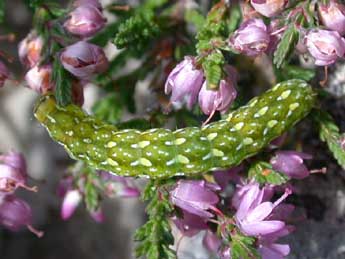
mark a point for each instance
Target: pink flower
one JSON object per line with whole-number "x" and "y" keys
{"x": 274, "y": 251}
{"x": 85, "y": 21}
{"x": 98, "y": 215}
{"x": 251, "y": 38}
{"x": 195, "y": 197}
{"x": 15, "y": 213}
{"x": 70, "y": 202}
{"x": 4, "y": 73}
{"x": 221, "y": 99}
{"x": 268, "y": 8}
{"x": 15, "y": 160}
{"x": 119, "y": 185}
{"x": 211, "y": 241}
{"x": 223, "y": 177}
{"x": 84, "y": 59}
{"x": 291, "y": 163}
{"x": 184, "y": 83}
{"x": 325, "y": 46}
{"x": 190, "y": 224}
{"x": 29, "y": 50}
{"x": 95, "y": 3}
{"x": 39, "y": 79}
{"x": 252, "y": 213}
{"x": 333, "y": 16}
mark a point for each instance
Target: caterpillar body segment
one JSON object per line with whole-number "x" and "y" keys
{"x": 161, "y": 152}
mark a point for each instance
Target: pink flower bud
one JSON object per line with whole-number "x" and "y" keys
{"x": 4, "y": 73}
{"x": 274, "y": 251}
{"x": 84, "y": 59}
{"x": 16, "y": 213}
{"x": 211, "y": 241}
{"x": 291, "y": 163}
{"x": 190, "y": 225}
{"x": 325, "y": 46}
{"x": 29, "y": 50}
{"x": 98, "y": 215}
{"x": 184, "y": 83}
{"x": 15, "y": 160}
{"x": 39, "y": 79}
{"x": 195, "y": 197}
{"x": 85, "y": 21}
{"x": 70, "y": 203}
{"x": 95, "y": 3}
{"x": 333, "y": 16}
{"x": 10, "y": 179}
{"x": 221, "y": 99}
{"x": 268, "y": 8}
{"x": 251, "y": 38}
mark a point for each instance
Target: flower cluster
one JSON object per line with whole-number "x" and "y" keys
{"x": 250, "y": 213}
{"x": 81, "y": 59}
{"x": 186, "y": 84}
{"x": 14, "y": 212}
{"x": 72, "y": 189}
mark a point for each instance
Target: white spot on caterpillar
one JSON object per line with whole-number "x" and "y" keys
{"x": 208, "y": 156}
{"x": 182, "y": 159}
{"x": 247, "y": 141}
{"x": 224, "y": 158}
{"x": 135, "y": 163}
{"x": 238, "y": 147}
{"x": 134, "y": 146}
{"x": 111, "y": 144}
{"x": 293, "y": 106}
{"x": 144, "y": 143}
{"x": 239, "y": 126}
{"x": 145, "y": 162}
{"x": 261, "y": 112}
{"x": 212, "y": 136}
{"x": 285, "y": 94}
{"x": 69, "y": 133}
{"x": 276, "y": 87}
{"x": 170, "y": 162}
{"x": 87, "y": 140}
{"x": 112, "y": 162}
{"x": 229, "y": 117}
{"x": 168, "y": 143}
{"x": 180, "y": 141}
{"x": 253, "y": 102}
{"x": 217, "y": 152}
{"x": 272, "y": 123}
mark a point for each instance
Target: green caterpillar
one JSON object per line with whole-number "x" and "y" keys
{"x": 164, "y": 153}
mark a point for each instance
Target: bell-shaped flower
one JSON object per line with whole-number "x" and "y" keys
{"x": 324, "y": 46}
{"x": 190, "y": 224}
{"x": 85, "y": 21}
{"x": 195, "y": 197}
{"x": 333, "y": 16}
{"x": 95, "y": 3}
{"x": 184, "y": 83}
{"x": 252, "y": 213}
{"x": 251, "y": 38}
{"x": 70, "y": 203}
{"x": 16, "y": 213}
{"x": 119, "y": 185}
{"x": 84, "y": 59}
{"x": 223, "y": 177}
{"x": 268, "y": 8}
{"x": 4, "y": 73}
{"x": 211, "y": 101}
{"x": 29, "y": 50}
{"x": 97, "y": 215}
{"x": 39, "y": 79}
{"x": 211, "y": 241}
{"x": 15, "y": 160}
{"x": 274, "y": 251}
{"x": 291, "y": 163}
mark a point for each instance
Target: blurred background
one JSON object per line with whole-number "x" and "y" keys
{"x": 321, "y": 197}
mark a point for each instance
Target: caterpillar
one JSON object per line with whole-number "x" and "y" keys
{"x": 162, "y": 153}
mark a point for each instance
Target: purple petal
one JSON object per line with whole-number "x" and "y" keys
{"x": 70, "y": 203}
{"x": 262, "y": 227}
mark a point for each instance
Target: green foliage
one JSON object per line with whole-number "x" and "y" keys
{"x": 286, "y": 46}
{"x": 242, "y": 247}
{"x": 63, "y": 84}
{"x": 262, "y": 172}
{"x": 155, "y": 236}
{"x": 290, "y": 71}
{"x": 109, "y": 109}
{"x": 137, "y": 31}
{"x": 329, "y": 133}
{"x": 2, "y": 10}
{"x": 213, "y": 65}
{"x": 194, "y": 17}
{"x": 91, "y": 193}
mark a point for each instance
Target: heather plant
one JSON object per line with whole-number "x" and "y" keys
{"x": 226, "y": 167}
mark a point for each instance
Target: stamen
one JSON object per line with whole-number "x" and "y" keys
{"x": 38, "y": 233}
{"x": 283, "y": 197}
